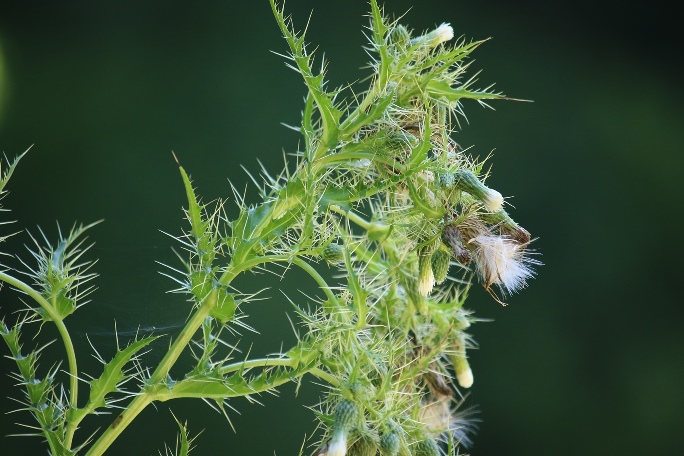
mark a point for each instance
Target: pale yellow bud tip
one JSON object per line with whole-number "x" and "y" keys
{"x": 493, "y": 200}
{"x": 338, "y": 445}
{"x": 465, "y": 378}
{"x": 426, "y": 283}
{"x": 444, "y": 33}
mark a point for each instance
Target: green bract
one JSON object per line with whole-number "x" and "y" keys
{"x": 381, "y": 194}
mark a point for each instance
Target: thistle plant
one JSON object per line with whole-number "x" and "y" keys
{"x": 380, "y": 193}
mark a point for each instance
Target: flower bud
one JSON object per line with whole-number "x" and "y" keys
{"x": 440, "y": 265}
{"x": 346, "y": 415}
{"x": 363, "y": 447}
{"x": 426, "y": 279}
{"x": 464, "y": 375}
{"x": 446, "y": 180}
{"x": 440, "y": 35}
{"x": 389, "y": 444}
{"x": 427, "y": 447}
{"x": 362, "y": 391}
{"x": 333, "y": 253}
{"x": 399, "y": 35}
{"x": 468, "y": 182}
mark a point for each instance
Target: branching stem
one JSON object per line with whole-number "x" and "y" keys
{"x": 66, "y": 340}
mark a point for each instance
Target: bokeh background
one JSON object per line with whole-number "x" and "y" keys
{"x": 589, "y": 360}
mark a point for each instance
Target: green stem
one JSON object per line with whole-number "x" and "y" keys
{"x": 160, "y": 373}
{"x": 66, "y": 340}
{"x": 162, "y": 370}
{"x": 353, "y": 217}
{"x": 233, "y": 270}
{"x": 167, "y": 394}
{"x": 184, "y": 337}
{"x": 318, "y": 278}
{"x": 323, "y": 375}
{"x": 136, "y": 406}
{"x": 255, "y": 363}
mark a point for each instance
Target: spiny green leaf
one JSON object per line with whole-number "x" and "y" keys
{"x": 198, "y": 226}
{"x": 358, "y": 118}
{"x": 443, "y": 61}
{"x": 420, "y": 202}
{"x": 330, "y": 114}
{"x": 442, "y": 89}
{"x": 236, "y": 385}
{"x": 25, "y": 362}
{"x": 183, "y": 442}
{"x": 224, "y": 311}
{"x": 112, "y": 375}
{"x": 5, "y": 176}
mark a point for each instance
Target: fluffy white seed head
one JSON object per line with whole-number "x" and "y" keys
{"x": 502, "y": 261}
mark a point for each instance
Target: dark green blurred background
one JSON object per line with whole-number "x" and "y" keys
{"x": 589, "y": 360}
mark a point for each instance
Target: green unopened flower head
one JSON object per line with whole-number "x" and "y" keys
{"x": 333, "y": 253}
{"x": 363, "y": 447}
{"x": 399, "y": 35}
{"x": 346, "y": 416}
{"x": 427, "y": 447}
{"x": 389, "y": 444}
{"x": 440, "y": 265}
{"x": 468, "y": 182}
{"x": 446, "y": 180}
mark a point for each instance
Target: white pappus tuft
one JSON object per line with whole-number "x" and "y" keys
{"x": 338, "y": 445}
{"x": 503, "y": 261}
{"x": 440, "y": 35}
{"x": 426, "y": 277}
{"x": 443, "y": 33}
{"x": 465, "y": 377}
{"x": 492, "y": 200}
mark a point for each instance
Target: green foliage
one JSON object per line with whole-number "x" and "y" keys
{"x": 113, "y": 376}
{"x": 380, "y": 193}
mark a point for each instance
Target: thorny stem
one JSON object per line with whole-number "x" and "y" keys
{"x": 162, "y": 370}
{"x": 125, "y": 418}
{"x": 317, "y": 277}
{"x": 352, "y": 216}
{"x": 66, "y": 340}
{"x": 414, "y": 89}
{"x": 260, "y": 362}
{"x": 160, "y": 373}
{"x": 323, "y": 375}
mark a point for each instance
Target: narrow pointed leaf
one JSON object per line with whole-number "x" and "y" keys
{"x": 112, "y": 375}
